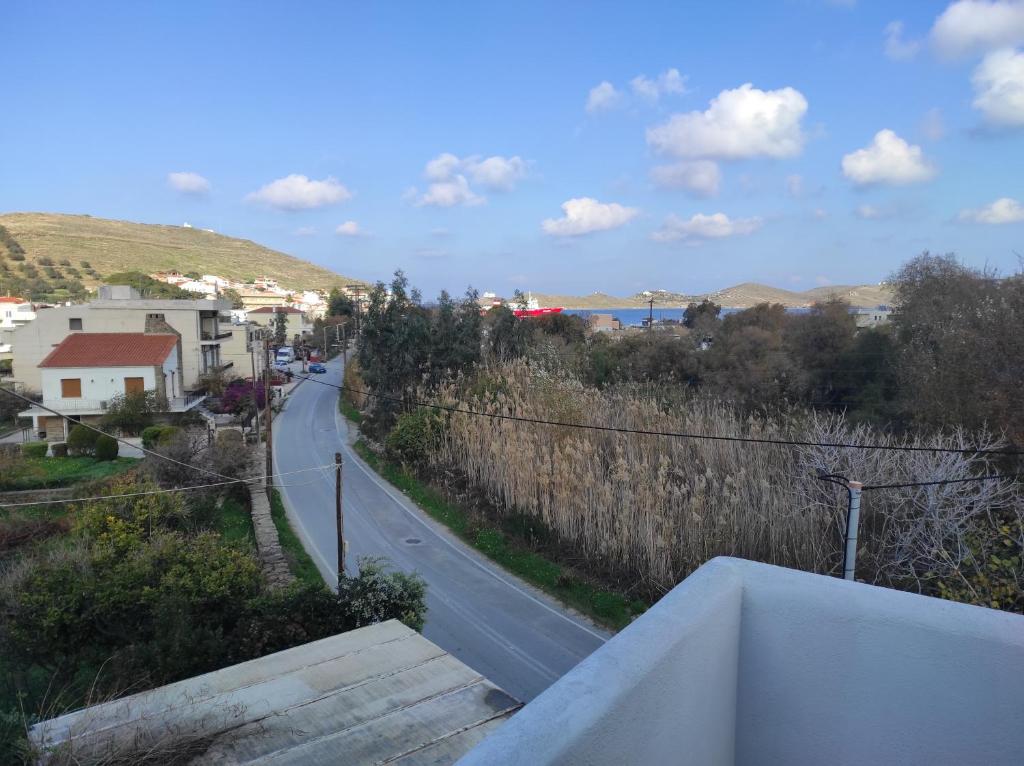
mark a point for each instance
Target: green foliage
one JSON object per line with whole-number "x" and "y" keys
{"x": 50, "y": 472}
{"x": 154, "y": 436}
{"x": 339, "y": 304}
{"x": 149, "y": 287}
{"x": 696, "y": 312}
{"x": 10, "y": 244}
{"x": 993, "y": 574}
{"x": 232, "y": 295}
{"x": 414, "y": 436}
{"x": 280, "y": 326}
{"x": 106, "y": 448}
{"x": 35, "y": 449}
{"x": 299, "y": 561}
{"x": 82, "y": 441}
{"x": 131, "y": 412}
{"x": 59, "y": 449}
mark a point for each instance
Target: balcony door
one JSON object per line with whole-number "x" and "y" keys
{"x": 134, "y": 385}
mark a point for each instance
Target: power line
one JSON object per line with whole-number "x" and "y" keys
{"x": 668, "y": 434}
{"x": 993, "y": 477}
{"x": 162, "y": 491}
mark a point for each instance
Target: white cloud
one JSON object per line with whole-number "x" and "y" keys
{"x": 669, "y": 81}
{"x": 451, "y": 177}
{"x": 188, "y": 183}
{"x": 349, "y": 229}
{"x": 603, "y": 97}
{"x": 896, "y": 47}
{"x": 972, "y": 26}
{"x": 999, "y": 88}
{"x": 1004, "y": 210}
{"x": 888, "y": 160}
{"x": 297, "y": 192}
{"x": 933, "y": 126}
{"x": 739, "y": 123}
{"x": 584, "y": 215}
{"x": 700, "y": 177}
{"x": 700, "y": 226}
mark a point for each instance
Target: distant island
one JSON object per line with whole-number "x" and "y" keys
{"x": 739, "y": 296}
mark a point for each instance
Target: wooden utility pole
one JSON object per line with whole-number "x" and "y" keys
{"x": 255, "y": 407}
{"x": 268, "y": 393}
{"x": 339, "y": 514}
{"x": 344, "y": 344}
{"x": 650, "y": 315}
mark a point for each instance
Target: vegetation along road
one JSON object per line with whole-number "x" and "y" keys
{"x": 494, "y": 623}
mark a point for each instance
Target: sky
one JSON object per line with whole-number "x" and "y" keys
{"x": 566, "y": 147}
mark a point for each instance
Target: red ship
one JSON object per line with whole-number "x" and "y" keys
{"x": 534, "y": 309}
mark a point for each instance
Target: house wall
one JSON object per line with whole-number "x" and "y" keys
{"x": 99, "y": 383}
{"x": 296, "y": 323}
{"x": 33, "y": 341}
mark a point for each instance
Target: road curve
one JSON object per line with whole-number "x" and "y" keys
{"x": 492, "y": 621}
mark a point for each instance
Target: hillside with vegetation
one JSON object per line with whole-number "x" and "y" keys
{"x": 742, "y": 296}
{"x": 92, "y": 247}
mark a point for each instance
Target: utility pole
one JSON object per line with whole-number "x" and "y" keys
{"x": 255, "y": 407}
{"x": 650, "y": 314}
{"x": 339, "y": 515}
{"x": 326, "y": 349}
{"x": 852, "y": 523}
{"x": 268, "y": 393}
{"x": 344, "y": 344}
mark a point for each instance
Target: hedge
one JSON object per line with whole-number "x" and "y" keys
{"x": 35, "y": 449}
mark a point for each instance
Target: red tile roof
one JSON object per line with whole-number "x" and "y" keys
{"x": 10, "y": 299}
{"x": 111, "y": 349}
{"x": 275, "y": 310}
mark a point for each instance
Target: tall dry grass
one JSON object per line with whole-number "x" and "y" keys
{"x": 653, "y": 508}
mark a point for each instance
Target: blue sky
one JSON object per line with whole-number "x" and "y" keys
{"x": 445, "y": 138}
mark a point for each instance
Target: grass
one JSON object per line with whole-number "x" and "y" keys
{"x": 53, "y": 472}
{"x": 234, "y": 522}
{"x": 299, "y": 561}
{"x": 349, "y": 410}
{"x": 605, "y": 606}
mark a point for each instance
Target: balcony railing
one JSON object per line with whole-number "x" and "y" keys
{"x": 214, "y": 335}
{"x": 76, "y": 405}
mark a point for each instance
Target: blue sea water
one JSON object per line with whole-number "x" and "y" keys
{"x": 636, "y": 317}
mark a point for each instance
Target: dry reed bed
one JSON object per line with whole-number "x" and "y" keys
{"x": 654, "y": 508}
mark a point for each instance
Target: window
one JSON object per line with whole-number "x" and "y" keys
{"x": 71, "y": 388}
{"x": 75, "y": 324}
{"x": 134, "y": 385}
{"x": 155, "y": 316}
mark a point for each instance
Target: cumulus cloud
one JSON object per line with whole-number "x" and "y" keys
{"x": 349, "y": 229}
{"x": 188, "y": 183}
{"x": 999, "y": 88}
{"x": 603, "y": 97}
{"x": 584, "y": 215}
{"x": 700, "y": 226}
{"x": 973, "y": 26}
{"x": 896, "y": 47}
{"x": 1004, "y": 210}
{"x": 739, "y": 123}
{"x": 297, "y": 192}
{"x": 451, "y": 178}
{"x": 888, "y": 160}
{"x": 699, "y": 177}
{"x": 669, "y": 81}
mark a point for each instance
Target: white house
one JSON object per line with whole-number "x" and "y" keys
{"x": 86, "y": 371}
{"x": 15, "y": 312}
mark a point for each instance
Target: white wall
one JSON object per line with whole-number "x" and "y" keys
{"x": 100, "y": 383}
{"x": 750, "y": 664}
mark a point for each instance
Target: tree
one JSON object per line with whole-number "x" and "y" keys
{"x": 339, "y": 304}
{"x": 232, "y": 295}
{"x": 132, "y": 412}
{"x": 280, "y": 328}
{"x": 697, "y": 311}
{"x": 147, "y": 286}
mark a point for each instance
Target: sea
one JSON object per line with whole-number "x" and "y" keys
{"x": 636, "y": 317}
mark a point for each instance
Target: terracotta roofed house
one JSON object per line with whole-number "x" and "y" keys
{"x": 86, "y": 371}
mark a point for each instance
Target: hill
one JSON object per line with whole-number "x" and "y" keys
{"x": 738, "y": 296}
{"x": 112, "y": 246}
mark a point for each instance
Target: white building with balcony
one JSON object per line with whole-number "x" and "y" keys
{"x": 83, "y": 374}
{"x": 745, "y": 663}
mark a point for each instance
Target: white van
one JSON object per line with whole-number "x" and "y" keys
{"x": 285, "y": 355}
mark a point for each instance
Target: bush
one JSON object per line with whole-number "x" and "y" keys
{"x": 154, "y": 436}
{"x": 131, "y": 412}
{"x": 414, "y": 436}
{"x": 106, "y": 448}
{"x": 35, "y": 449}
{"x": 60, "y": 449}
{"x": 82, "y": 441}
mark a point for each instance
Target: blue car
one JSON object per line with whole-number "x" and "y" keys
{"x": 317, "y": 368}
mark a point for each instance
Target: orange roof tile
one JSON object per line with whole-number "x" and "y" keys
{"x": 111, "y": 349}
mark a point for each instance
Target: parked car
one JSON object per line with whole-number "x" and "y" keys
{"x": 317, "y": 368}
{"x": 281, "y": 366}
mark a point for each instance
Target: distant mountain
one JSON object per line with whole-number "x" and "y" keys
{"x": 113, "y": 246}
{"x": 739, "y": 296}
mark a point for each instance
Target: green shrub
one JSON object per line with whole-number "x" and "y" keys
{"x": 35, "y": 449}
{"x": 413, "y": 436}
{"x": 106, "y": 448}
{"x": 82, "y": 441}
{"x": 155, "y": 436}
{"x": 60, "y": 449}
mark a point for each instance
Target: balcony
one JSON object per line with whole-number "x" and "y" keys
{"x": 214, "y": 337}
{"x": 77, "y": 406}
{"x": 745, "y": 663}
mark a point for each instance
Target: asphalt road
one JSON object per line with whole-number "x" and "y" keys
{"x": 493, "y": 622}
